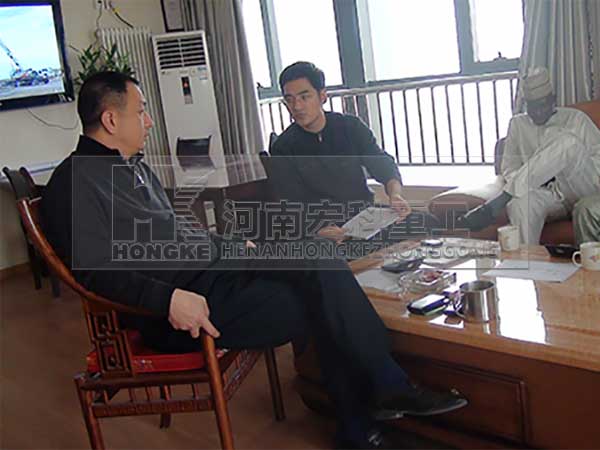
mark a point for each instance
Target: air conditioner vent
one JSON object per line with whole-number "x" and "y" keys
{"x": 181, "y": 52}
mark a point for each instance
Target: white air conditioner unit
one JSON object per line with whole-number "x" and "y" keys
{"x": 190, "y": 110}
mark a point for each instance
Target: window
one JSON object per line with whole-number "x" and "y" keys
{"x": 281, "y": 32}
{"x": 306, "y": 32}
{"x": 360, "y": 42}
{"x": 497, "y": 29}
{"x": 257, "y": 46}
{"x": 490, "y": 34}
{"x": 379, "y": 43}
{"x": 402, "y": 41}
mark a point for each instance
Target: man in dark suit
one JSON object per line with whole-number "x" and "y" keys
{"x": 110, "y": 220}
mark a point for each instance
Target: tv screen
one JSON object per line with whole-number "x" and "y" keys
{"x": 33, "y": 68}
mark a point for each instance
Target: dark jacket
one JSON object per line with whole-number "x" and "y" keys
{"x": 310, "y": 167}
{"x": 111, "y": 222}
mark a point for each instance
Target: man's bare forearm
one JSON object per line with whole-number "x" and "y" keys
{"x": 393, "y": 187}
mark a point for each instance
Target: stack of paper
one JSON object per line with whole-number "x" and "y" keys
{"x": 533, "y": 270}
{"x": 369, "y": 222}
{"x": 378, "y": 279}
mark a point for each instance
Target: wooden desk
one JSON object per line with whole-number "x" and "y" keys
{"x": 532, "y": 377}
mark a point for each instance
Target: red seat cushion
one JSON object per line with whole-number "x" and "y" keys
{"x": 145, "y": 360}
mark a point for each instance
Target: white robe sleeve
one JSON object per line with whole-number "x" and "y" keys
{"x": 587, "y": 131}
{"x": 511, "y": 158}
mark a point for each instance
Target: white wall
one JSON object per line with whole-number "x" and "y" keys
{"x": 25, "y": 141}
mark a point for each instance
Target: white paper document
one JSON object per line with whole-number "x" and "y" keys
{"x": 473, "y": 247}
{"x": 369, "y": 222}
{"x": 533, "y": 270}
{"x": 378, "y": 279}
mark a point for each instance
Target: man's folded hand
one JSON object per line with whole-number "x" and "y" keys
{"x": 189, "y": 311}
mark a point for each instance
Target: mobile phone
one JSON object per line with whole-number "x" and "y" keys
{"x": 428, "y": 304}
{"x": 403, "y": 265}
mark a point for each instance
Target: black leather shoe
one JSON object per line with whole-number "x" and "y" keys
{"x": 420, "y": 402}
{"x": 476, "y": 219}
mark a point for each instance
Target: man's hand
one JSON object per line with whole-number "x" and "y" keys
{"x": 400, "y": 205}
{"x": 189, "y": 312}
{"x": 333, "y": 232}
{"x": 393, "y": 188}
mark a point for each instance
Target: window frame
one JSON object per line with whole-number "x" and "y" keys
{"x": 464, "y": 31}
{"x": 351, "y": 54}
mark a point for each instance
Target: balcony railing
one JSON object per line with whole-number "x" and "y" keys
{"x": 448, "y": 121}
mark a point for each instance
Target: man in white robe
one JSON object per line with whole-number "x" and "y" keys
{"x": 551, "y": 160}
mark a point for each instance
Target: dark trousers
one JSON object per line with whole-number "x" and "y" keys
{"x": 259, "y": 304}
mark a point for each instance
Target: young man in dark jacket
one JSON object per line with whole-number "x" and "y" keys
{"x": 322, "y": 156}
{"x": 109, "y": 219}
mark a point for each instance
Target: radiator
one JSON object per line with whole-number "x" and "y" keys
{"x": 137, "y": 44}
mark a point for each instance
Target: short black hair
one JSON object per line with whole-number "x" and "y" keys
{"x": 99, "y": 91}
{"x": 303, "y": 69}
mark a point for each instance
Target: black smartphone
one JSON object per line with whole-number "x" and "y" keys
{"x": 428, "y": 305}
{"x": 403, "y": 265}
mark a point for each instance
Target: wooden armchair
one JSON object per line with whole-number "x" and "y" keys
{"x": 123, "y": 378}
{"x": 24, "y": 186}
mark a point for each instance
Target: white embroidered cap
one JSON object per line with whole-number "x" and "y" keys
{"x": 536, "y": 84}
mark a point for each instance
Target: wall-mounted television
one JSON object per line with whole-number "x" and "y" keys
{"x": 33, "y": 64}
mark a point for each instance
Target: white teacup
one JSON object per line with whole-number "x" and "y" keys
{"x": 589, "y": 254}
{"x": 508, "y": 236}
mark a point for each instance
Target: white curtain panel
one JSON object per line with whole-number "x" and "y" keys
{"x": 235, "y": 91}
{"x": 558, "y": 35}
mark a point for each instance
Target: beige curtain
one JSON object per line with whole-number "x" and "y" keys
{"x": 558, "y": 35}
{"x": 595, "y": 39}
{"x": 236, "y": 96}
